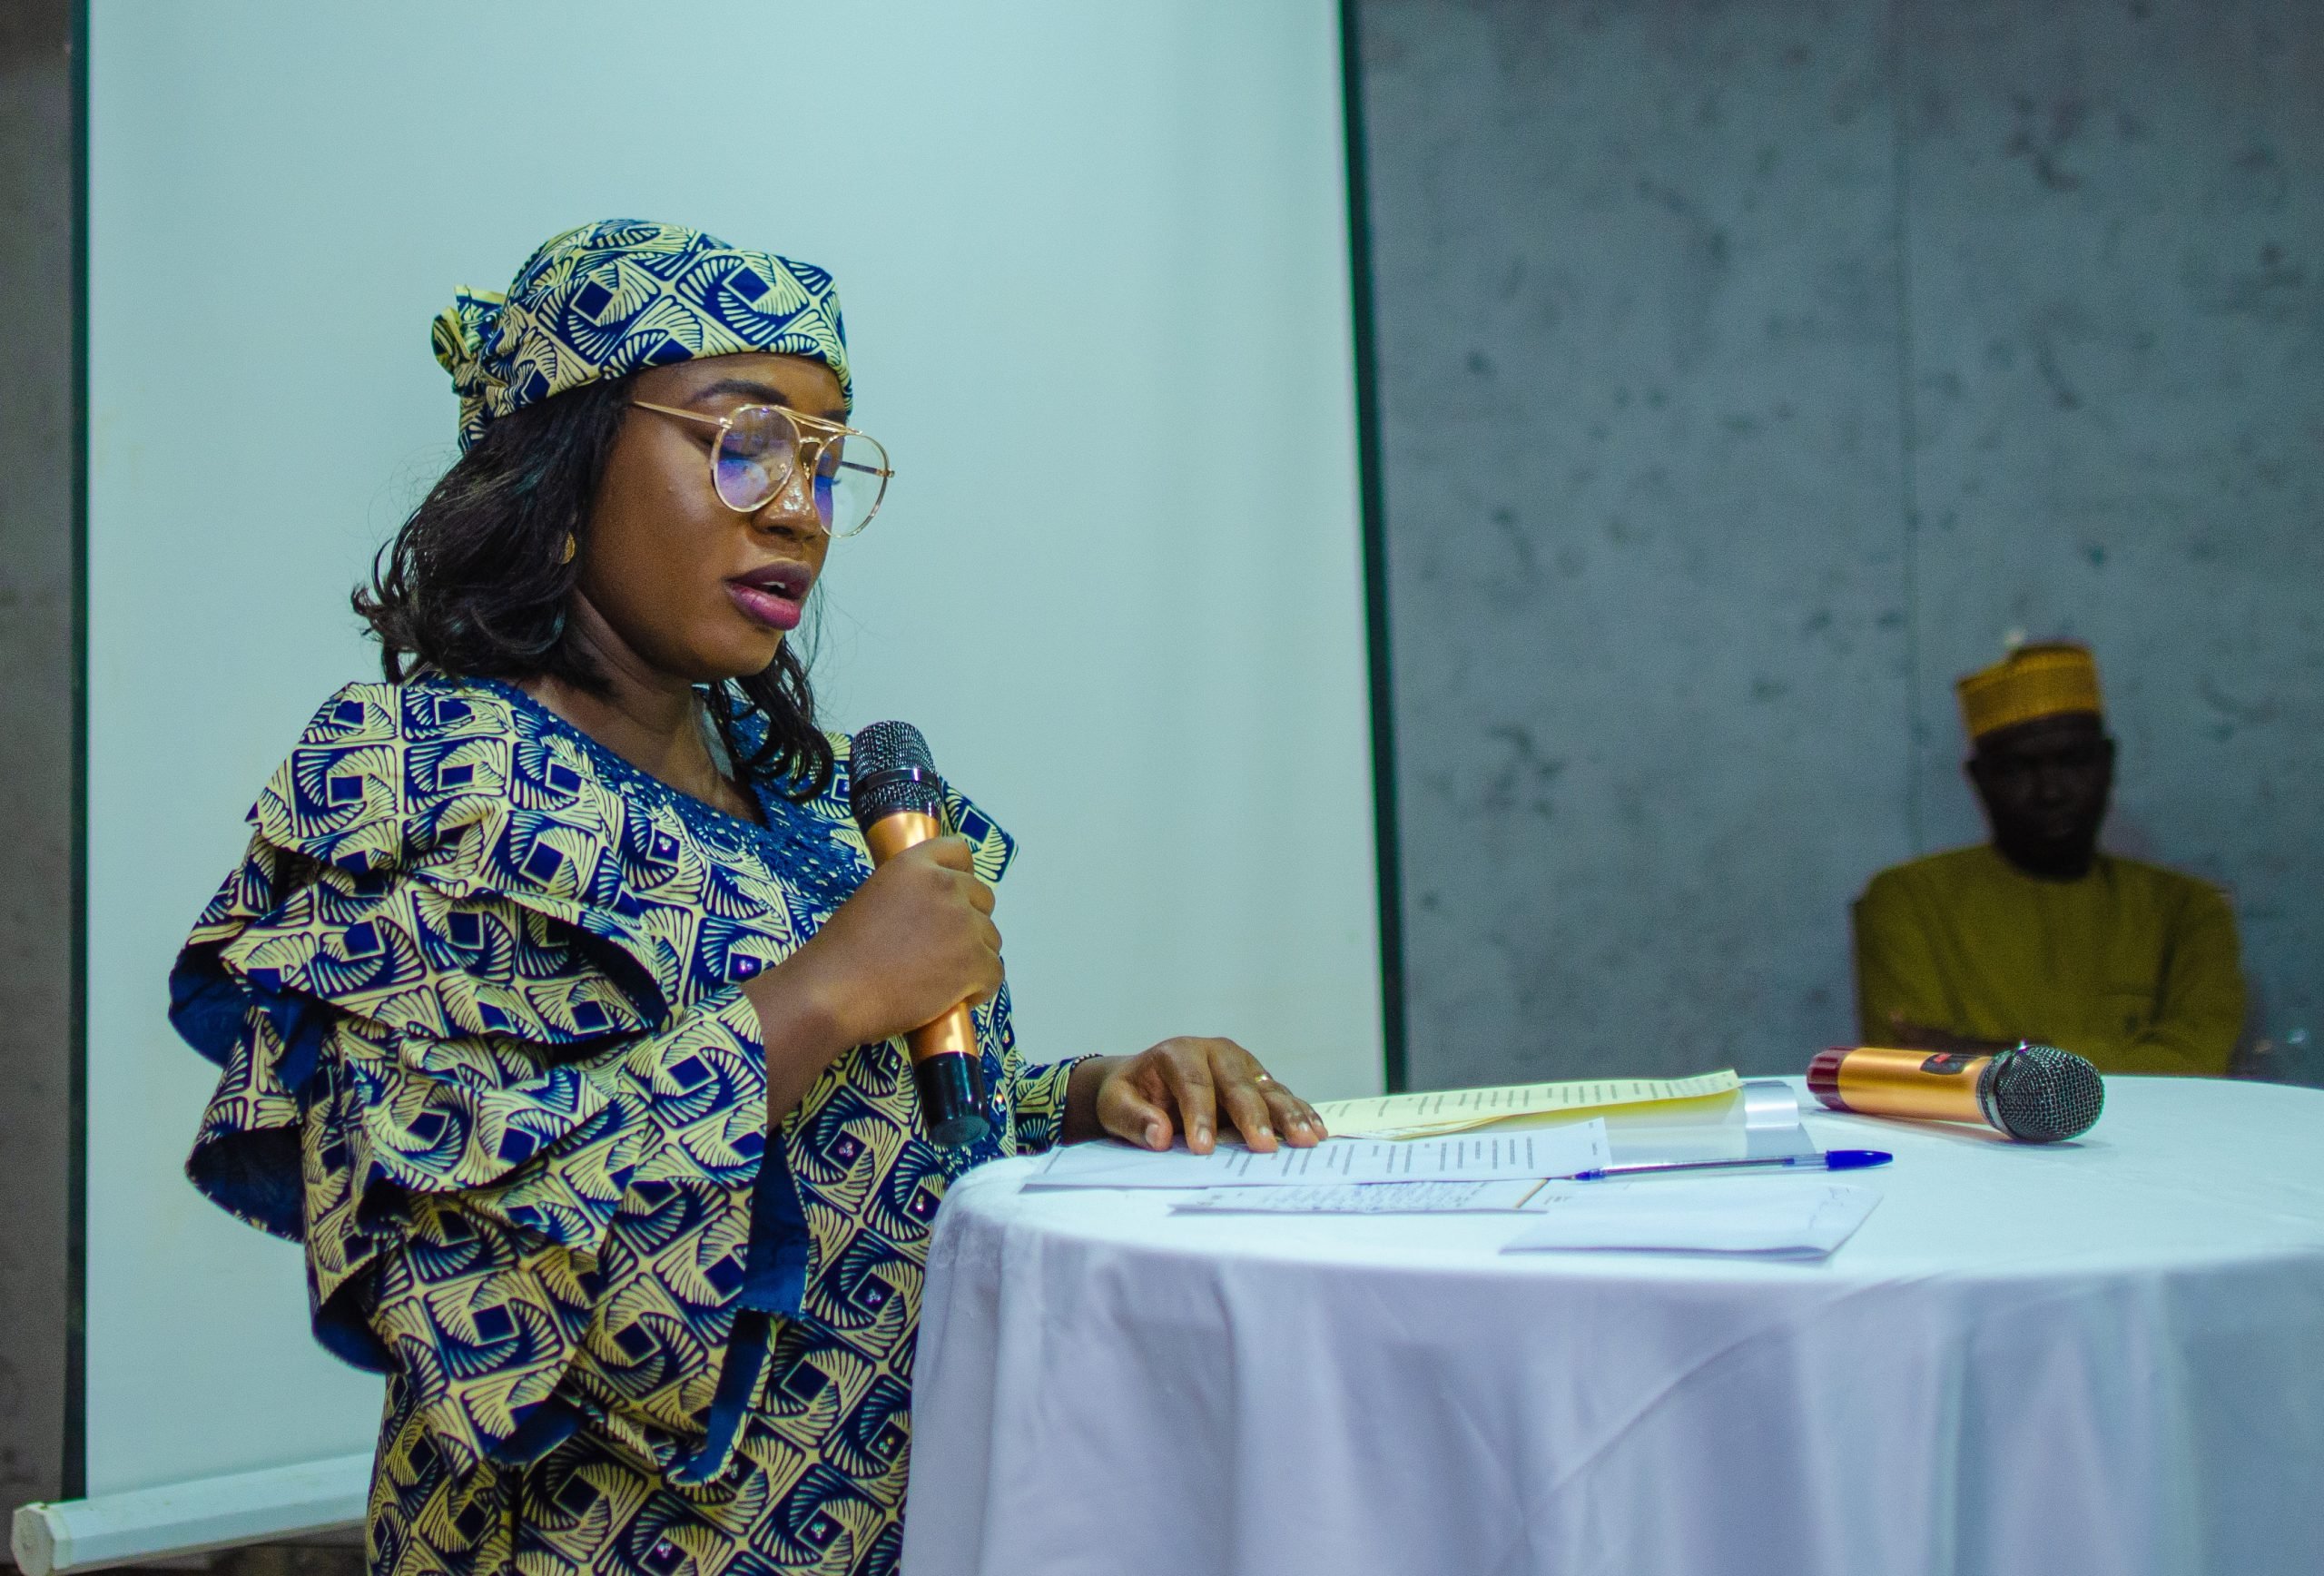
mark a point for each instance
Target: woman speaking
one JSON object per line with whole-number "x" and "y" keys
{"x": 557, "y": 1001}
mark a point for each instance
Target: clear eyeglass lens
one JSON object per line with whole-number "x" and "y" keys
{"x": 754, "y": 454}
{"x": 851, "y": 479}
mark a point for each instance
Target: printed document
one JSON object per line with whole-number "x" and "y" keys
{"x": 1368, "y": 1198}
{"x": 1548, "y": 1152}
{"x": 1774, "y": 1217}
{"x": 1444, "y": 1111}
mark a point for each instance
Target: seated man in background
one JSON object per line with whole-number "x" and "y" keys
{"x": 2038, "y": 935}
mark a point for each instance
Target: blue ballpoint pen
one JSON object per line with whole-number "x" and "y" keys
{"x": 1830, "y": 1160}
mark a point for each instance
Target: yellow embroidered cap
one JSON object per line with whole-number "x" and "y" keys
{"x": 2046, "y": 679}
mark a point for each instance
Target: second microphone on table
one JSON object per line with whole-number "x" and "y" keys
{"x": 899, "y": 801}
{"x": 2035, "y": 1093}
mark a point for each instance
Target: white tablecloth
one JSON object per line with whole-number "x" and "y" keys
{"x": 2103, "y": 1358}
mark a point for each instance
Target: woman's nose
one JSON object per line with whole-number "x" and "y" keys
{"x": 791, "y": 509}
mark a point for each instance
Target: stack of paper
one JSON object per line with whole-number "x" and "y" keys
{"x": 1369, "y": 1198}
{"x": 1553, "y": 1152}
{"x": 1444, "y": 1111}
{"x": 1772, "y": 1216}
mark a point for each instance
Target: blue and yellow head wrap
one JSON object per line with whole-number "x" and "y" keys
{"x": 622, "y": 294}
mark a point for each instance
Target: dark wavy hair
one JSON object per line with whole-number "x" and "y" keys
{"x": 477, "y": 583}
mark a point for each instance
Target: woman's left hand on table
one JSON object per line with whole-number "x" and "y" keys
{"x": 1190, "y": 1085}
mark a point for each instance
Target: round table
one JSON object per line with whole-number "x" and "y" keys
{"x": 2104, "y": 1357}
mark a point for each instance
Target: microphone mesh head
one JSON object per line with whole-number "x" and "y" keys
{"x": 889, "y": 769}
{"x": 2042, "y": 1094}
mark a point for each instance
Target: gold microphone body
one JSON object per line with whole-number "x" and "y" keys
{"x": 2036, "y": 1093}
{"x": 955, "y": 1033}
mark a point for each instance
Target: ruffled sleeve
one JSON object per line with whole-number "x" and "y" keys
{"x": 482, "y": 1050}
{"x": 475, "y": 997}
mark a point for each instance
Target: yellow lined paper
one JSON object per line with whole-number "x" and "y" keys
{"x": 1438, "y": 1112}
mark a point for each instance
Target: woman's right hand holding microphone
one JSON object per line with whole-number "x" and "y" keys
{"x": 914, "y": 939}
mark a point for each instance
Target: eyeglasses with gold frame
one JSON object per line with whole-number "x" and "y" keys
{"x": 760, "y": 448}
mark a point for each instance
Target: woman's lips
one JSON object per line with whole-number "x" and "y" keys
{"x": 772, "y": 596}
{"x": 766, "y": 606}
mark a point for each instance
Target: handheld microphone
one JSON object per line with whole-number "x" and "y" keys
{"x": 2036, "y": 1093}
{"x": 898, "y": 801}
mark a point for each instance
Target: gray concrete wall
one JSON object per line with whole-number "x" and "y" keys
{"x": 2117, "y": 309}
{"x": 36, "y": 742}
{"x": 1747, "y": 370}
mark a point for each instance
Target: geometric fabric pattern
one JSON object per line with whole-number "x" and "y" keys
{"x": 612, "y": 298}
{"x": 475, "y": 996}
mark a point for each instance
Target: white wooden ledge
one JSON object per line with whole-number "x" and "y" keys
{"x": 220, "y": 1512}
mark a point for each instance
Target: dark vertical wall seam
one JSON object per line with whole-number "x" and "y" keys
{"x": 75, "y": 1441}
{"x": 36, "y": 708}
{"x": 1386, "y": 849}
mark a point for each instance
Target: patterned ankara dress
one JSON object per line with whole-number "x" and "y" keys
{"x": 475, "y": 991}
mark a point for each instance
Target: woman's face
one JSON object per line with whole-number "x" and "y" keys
{"x": 697, "y": 591}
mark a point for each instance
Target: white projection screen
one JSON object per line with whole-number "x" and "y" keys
{"x": 1094, "y": 258}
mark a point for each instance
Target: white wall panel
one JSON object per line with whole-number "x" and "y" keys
{"x": 1094, "y": 267}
